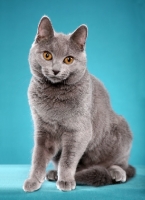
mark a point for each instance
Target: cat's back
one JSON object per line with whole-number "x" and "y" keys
{"x": 100, "y": 96}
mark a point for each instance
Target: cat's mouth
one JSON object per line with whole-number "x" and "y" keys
{"x": 56, "y": 79}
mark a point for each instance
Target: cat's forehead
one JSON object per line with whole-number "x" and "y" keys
{"x": 59, "y": 45}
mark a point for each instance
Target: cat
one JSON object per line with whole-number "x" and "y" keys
{"x": 74, "y": 124}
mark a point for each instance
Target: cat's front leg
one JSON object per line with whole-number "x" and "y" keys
{"x": 74, "y": 145}
{"x": 42, "y": 153}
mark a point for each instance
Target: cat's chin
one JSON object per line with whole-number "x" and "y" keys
{"x": 55, "y": 80}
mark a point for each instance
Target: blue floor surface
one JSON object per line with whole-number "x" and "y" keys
{"x": 13, "y": 176}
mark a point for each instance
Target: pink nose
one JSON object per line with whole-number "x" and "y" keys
{"x": 55, "y": 72}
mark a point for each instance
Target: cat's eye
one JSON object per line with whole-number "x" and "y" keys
{"x": 47, "y": 55}
{"x": 68, "y": 60}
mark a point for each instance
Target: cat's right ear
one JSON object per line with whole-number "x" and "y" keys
{"x": 45, "y": 30}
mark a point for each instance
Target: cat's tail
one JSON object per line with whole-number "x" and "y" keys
{"x": 130, "y": 172}
{"x": 98, "y": 176}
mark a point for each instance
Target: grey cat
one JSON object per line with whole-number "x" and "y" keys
{"x": 74, "y": 124}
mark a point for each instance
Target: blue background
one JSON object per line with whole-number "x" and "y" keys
{"x": 115, "y": 52}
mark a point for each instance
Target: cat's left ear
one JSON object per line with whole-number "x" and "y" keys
{"x": 79, "y": 36}
{"x": 45, "y": 30}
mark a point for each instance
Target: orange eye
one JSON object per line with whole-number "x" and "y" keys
{"x": 47, "y": 55}
{"x": 68, "y": 60}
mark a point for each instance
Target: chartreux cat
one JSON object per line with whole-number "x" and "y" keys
{"x": 74, "y": 124}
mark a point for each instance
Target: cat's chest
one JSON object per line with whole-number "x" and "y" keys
{"x": 54, "y": 103}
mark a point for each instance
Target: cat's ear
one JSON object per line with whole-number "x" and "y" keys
{"x": 79, "y": 36}
{"x": 45, "y": 30}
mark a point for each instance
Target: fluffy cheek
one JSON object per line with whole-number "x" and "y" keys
{"x": 76, "y": 68}
{"x": 70, "y": 68}
{"x": 45, "y": 71}
{"x": 46, "y": 67}
{"x": 65, "y": 70}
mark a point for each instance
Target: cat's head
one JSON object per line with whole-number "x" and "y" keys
{"x": 56, "y": 56}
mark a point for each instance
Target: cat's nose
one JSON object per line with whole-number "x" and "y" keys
{"x": 55, "y": 71}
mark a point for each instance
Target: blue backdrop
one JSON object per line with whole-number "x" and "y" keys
{"x": 115, "y": 52}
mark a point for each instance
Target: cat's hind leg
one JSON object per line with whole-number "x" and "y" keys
{"x": 99, "y": 175}
{"x": 117, "y": 173}
{"x": 51, "y": 175}
{"x": 95, "y": 176}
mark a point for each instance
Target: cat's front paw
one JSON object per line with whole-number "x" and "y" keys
{"x": 65, "y": 185}
{"x": 31, "y": 185}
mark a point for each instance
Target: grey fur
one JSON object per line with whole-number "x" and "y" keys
{"x": 74, "y": 124}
